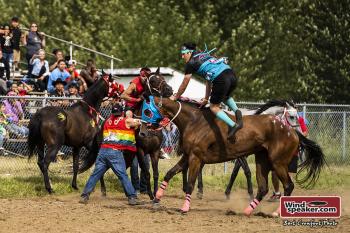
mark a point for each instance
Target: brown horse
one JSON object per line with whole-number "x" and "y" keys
{"x": 76, "y": 126}
{"x": 204, "y": 141}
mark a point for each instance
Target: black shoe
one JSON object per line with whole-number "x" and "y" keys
{"x": 84, "y": 199}
{"x": 134, "y": 201}
{"x": 238, "y": 125}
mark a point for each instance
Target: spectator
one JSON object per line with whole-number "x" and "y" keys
{"x": 34, "y": 41}
{"x": 16, "y": 37}
{"x": 3, "y": 123}
{"x": 40, "y": 71}
{"x": 14, "y": 112}
{"x": 59, "y": 92}
{"x": 6, "y": 42}
{"x": 170, "y": 135}
{"x": 23, "y": 88}
{"x": 89, "y": 73}
{"x": 58, "y": 73}
{"x": 59, "y": 56}
{"x": 4, "y": 74}
{"x": 14, "y": 88}
{"x": 73, "y": 91}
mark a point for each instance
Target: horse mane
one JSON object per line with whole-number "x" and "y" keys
{"x": 272, "y": 103}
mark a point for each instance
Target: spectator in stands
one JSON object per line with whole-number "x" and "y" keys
{"x": 34, "y": 41}
{"x": 3, "y": 123}
{"x": 23, "y": 88}
{"x": 40, "y": 71}
{"x": 73, "y": 91}
{"x": 14, "y": 112}
{"x": 89, "y": 72}
{"x": 6, "y": 42}
{"x": 59, "y": 92}
{"x": 16, "y": 38}
{"x": 170, "y": 136}
{"x": 14, "y": 88}
{"x": 58, "y": 56}
{"x": 58, "y": 73}
{"x": 4, "y": 74}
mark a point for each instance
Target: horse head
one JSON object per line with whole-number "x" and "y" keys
{"x": 157, "y": 86}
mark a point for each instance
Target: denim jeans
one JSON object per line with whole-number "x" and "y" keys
{"x": 109, "y": 158}
{"x": 139, "y": 184}
{"x": 1, "y": 140}
{"x": 17, "y": 129}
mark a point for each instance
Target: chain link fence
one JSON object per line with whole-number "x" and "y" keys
{"x": 328, "y": 126}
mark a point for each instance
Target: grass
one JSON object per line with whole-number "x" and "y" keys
{"x": 20, "y": 178}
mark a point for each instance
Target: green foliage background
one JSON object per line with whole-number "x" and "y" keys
{"x": 280, "y": 49}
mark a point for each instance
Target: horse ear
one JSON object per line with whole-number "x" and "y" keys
{"x": 110, "y": 77}
{"x": 103, "y": 72}
{"x": 158, "y": 70}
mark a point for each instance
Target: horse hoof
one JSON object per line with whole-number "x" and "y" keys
{"x": 75, "y": 187}
{"x": 50, "y": 191}
{"x": 200, "y": 195}
{"x": 182, "y": 211}
{"x": 155, "y": 205}
{"x": 248, "y": 211}
{"x": 275, "y": 214}
{"x": 227, "y": 195}
{"x": 104, "y": 194}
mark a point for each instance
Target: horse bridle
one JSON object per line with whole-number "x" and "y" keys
{"x": 159, "y": 91}
{"x": 285, "y": 116}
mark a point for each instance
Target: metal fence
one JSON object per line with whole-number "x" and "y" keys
{"x": 328, "y": 126}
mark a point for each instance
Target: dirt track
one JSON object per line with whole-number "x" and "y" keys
{"x": 112, "y": 214}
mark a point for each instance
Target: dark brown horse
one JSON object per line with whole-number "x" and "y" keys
{"x": 76, "y": 126}
{"x": 204, "y": 141}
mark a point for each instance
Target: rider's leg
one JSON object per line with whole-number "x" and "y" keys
{"x": 215, "y": 108}
{"x": 232, "y": 104}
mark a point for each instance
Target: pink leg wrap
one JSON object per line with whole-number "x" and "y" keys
{"x": 186, "y": 207}
{"x": 161, "y": 189}
{"x": 249, "y": 210}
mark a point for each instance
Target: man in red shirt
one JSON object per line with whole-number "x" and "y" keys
{"x": 118, "y": 136}
{"x": 133, "y": 94}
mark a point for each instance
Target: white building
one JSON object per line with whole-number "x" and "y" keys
{"x": 195, "y": 88}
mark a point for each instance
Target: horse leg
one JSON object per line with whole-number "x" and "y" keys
{"x": 263, "y": 168}
{"x": 184, "y": 177}
{"x": 103, "y": 187}
{"x": 194, "y": 168}
{"x": 155, "y": 159}
{"x": 41, "y": 164}
{"x": 143, "y": 167}
{"x": 232, "y": 179}
{"x": 170, "y": 174}
{"x": 248, "y": 176}
{"x": 45, "y": 163}
{"x": 200, "y": 183}
{"x": 76, "y": 151}
{"x": 281, "y": 170}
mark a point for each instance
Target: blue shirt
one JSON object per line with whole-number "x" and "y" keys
{"x": 56, "y": 74}
{"x": 37, "y": 66}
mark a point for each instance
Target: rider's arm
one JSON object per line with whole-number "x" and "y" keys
{"x": 183, "y": 85}
{"x": 127, "y": 93}
{"x": 131, "y": 123}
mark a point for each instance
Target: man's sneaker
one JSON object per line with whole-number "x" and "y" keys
{"x": 84, "y": 199}
{"x": 275, "y": 197}
{"x": 164, "y": 155}
{"x": 134, "y": 201}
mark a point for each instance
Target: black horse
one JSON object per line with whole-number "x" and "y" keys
{"x": 76, "y": 126}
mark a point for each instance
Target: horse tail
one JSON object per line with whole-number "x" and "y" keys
{"x": 313, "y": 164}
{"x": 90, "y": 158}
{"x": 34, "y": 136}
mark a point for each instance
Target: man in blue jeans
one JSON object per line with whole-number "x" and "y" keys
{"x": 118, "y": 136}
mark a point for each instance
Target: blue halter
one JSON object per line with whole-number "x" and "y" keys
{"x": 150, "y": 112}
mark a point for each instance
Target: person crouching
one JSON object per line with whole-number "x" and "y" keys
{"x": 118, "y": 136}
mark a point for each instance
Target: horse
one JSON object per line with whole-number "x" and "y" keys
{"x": 283, "y": 108}
{"x": 204, "y": 141}
{"x": 76, "y": 126}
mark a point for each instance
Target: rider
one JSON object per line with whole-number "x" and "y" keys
{"x": 118, "y": 136}
{"x": 221, "y": 81}
{"x": 132, "y": 95}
